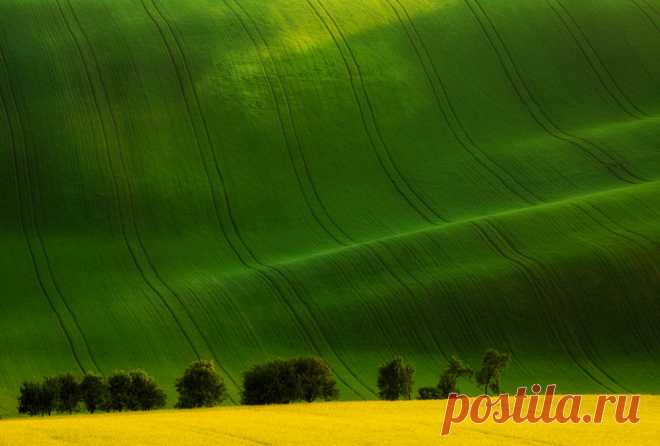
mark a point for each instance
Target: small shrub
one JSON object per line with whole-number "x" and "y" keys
{"x": 200, "y": 386}
{"x": 429, "y": 393}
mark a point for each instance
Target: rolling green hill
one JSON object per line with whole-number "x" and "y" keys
{"x": 247, "y": 179}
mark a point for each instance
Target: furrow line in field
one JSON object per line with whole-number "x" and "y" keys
{"x": 446, "y": 106}
{"x": 123, "y": 191}
{"x": 272, "y": 273}
{"x": 299, "y": 163}
{"x": 653, "y": 242}
{"x": 640, "y": 236}
{"x": 211, "y": 188}
{"x": 342, "y": 238}
{"x": 606, "y": 227}
{"x": 524, "y": 94}
{"x": 532, "y": 265}
{"x": 49, "y": 275}
{"x": 501, "y": 310}
{"x": 356, "y": 95}
{"x": 377, "y": 142}
{"x": 647, "y": 15}
{"x": 535, "y": 283}
{"x": 464, "y": 319}
{"x": 552, "y": 282}
{"x": 232, "y": 234}
{"x": 634, "y": 326}
{"x": 653, "y": 8}
{"x": 423, "y": 315}
{"x": 22, "y": 217}
{"x": 594, "y": 60}
{"x": 172, "y": 50}
{"x": 521, "y": 268}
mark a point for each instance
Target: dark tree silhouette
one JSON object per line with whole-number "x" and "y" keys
{"x": 94, "y": 392}
{"x": 448, "y": 380}
{"x": 144, "y": 393}
{"x": 119, "y": 388}
{"x": 429, "y": 393}
{"x": 314, "y": 380}
{"x": 200, "y": 386}
{"x": 285, "y": 381}
{"x": 68, "y": 393}
{"x": 29, "y": 400}
{"x": 490, "y": 373}
{"x": 395, "y": 380}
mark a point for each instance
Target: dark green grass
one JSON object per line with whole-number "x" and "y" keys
{"x": 242, "y": 180}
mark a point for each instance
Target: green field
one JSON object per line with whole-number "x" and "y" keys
{"x": 248, "y": 179}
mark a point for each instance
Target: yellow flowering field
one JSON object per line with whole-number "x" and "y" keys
{"x": 342, "y": 423}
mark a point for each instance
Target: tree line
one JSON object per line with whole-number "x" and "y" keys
{"x": 275, "y": 382}
{"x": 396, "y": 378}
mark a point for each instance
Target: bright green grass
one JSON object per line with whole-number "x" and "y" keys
{"x": 242, "y": 180}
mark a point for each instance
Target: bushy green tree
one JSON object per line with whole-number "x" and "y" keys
{"x": 314, "y": 380}
{"x": 448, "y": 380}
{"x": 119, "y": 388}
{"x": 50, "y": 390}
{"x": 270, "y": 383}
{"x": 144, "y": 393}
{"x": 29, "y": 400}
{"x": 285, "y": 381}
{"x": 395, "y": 380}
{"x": 200, "y": 386}
{"x": 490, "y": 373}
{"x": 94, "y": 392}
{"x": 68, "y": 393}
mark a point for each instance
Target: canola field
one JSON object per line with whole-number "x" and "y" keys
{"x": 347, "y": 423}
{"x": 240, "y": 180}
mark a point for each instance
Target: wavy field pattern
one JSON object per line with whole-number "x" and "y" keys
{"x": 242, "y": 179}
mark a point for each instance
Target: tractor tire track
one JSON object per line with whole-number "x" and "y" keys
{"x": 446, "y": 106}
{"x": 343, "y": 238}
{"x": 545, "y": 272}
{"x": 652, "y": 7}
{"x": 514, "y": 257}
{"x": 647, "y": 15}
{"x": 270, "y": 275}
{"x": 366, "y": 108}
{"x": 594, "y": 60}
{"x": 635, "y": 323}
{"x": 647, "y": 239}
{"x": 463, "y": 318}
{"x": 124, "y": 193}
{"x": 529, "y": 101}
{"x": 299, "y": 163}
{"x": 65, "y": 317}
